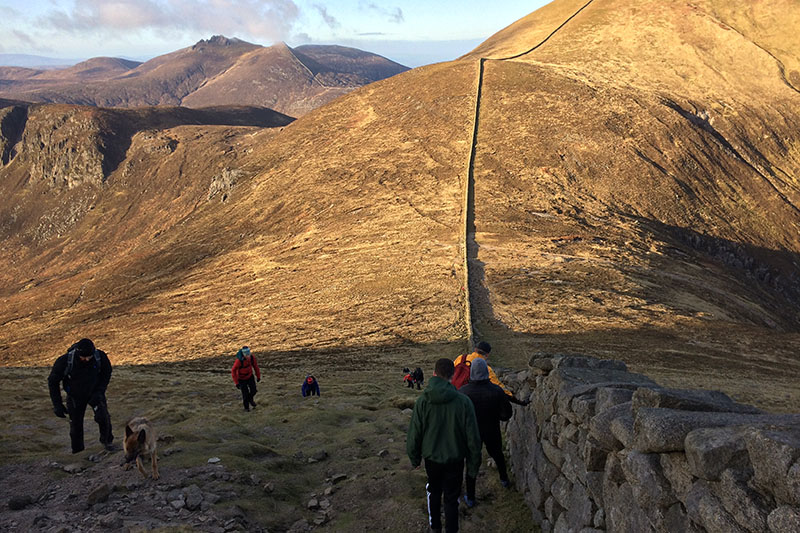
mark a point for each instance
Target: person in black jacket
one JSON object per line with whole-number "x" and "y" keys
{"x": 84, "y": 372}
{"x": 491, "y": 406}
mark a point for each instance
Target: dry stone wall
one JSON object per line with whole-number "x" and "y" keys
{"x": 603, "y": 449}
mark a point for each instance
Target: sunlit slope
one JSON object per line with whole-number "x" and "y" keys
{"x": 342, "y": 229}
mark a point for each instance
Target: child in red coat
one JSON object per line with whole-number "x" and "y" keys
{"x": 242, "y": 373}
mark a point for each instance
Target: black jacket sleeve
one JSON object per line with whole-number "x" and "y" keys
{"x": 105, "y": 374}
{"x": 54, "y": 380}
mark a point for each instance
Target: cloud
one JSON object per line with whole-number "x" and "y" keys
{"x": 266, "y": 19}
{"x": 371, "y": 34}
{"x": 394, "y": 15}
{"x": 329, "y": 19}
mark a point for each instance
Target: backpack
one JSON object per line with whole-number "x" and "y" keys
{"x": 71, "y": 362}
{"x": 461, "y": 373}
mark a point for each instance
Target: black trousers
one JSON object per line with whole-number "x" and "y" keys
{"x": 444, "y": 479}
{"x": 248, "y": 387}
{"x": 494, "y": 446}
{"x": 76, "y": 407}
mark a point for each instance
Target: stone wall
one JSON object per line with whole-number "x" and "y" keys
{"x": 603, "y": 449}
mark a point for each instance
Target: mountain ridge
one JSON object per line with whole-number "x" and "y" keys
{"x": 184, "y": 77}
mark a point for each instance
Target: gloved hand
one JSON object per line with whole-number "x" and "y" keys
{"x": 60, "y": 410}
{"x": 238, "y": 385}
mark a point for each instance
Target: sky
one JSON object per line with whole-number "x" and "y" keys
{"x": 411, "y": 32}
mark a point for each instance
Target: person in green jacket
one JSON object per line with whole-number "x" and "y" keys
{"x": 444, "y": 432}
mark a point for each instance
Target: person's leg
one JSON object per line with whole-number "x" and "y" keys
{"x": 245, "y": 395}
{"x": 76, "y": 410}
{"x": 453, "y": 474}
{"x": 494, "y": 447}
{"x": 471, "y": 482}
{"x": 253, "y": 390}
{"x": 433, "y": 490}
{"x": 103, "y": 419}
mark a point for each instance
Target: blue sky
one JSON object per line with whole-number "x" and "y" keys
{"x": 412, "y": 32}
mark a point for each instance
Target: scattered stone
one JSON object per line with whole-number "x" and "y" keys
{"x": 324, "y": 504}
{"x": 313, "y": 504}
{"x": 338, "y": 478}
{"x": 194, "y": 497}
{"x": 73, "y": 468}
{"x": 407, "y": 411}
{"x": 19, "y": 502}
{"x": 320, "y": 455}
{"x": 99, "y": 494}
{"x": 170, "y": 451}
{"x": 328, "y": 491}
{"x": 111, "y": 520}
{"x": 177, "y": 504}
{"x": 269, "y": 487}
{"x": 214, "y": 460}
{"x": 94, "y": 458}
{"x": 383, "y": 453}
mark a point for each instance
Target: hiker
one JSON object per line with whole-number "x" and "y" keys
{"x": 444, "y": 432}
{"x": 243, "y": 378}
{"x": 310, "y": 386}
{"x": 408, "y": 378}
{"x": 418, "y": 377}
{"x": 492, "y": 406}
{"x": 84, "y": 372}
{"x": 462, "y": 374}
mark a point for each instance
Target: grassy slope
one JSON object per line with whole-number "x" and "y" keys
{"x": 358, "y": 416}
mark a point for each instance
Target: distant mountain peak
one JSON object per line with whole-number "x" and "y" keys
{"x": 218, "y": 40}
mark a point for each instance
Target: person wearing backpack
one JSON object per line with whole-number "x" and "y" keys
{"x": 492, "y": 405}
{"x": 84, "y": 372}
{"x": 242, "y": 374}
{"x": 462, "y": 364}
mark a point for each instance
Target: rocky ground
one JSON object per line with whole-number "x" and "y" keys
{"x": 336, "y": 463}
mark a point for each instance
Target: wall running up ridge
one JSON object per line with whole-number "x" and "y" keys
{"x": 603, "y": 449}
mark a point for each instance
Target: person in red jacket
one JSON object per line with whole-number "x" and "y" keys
{"x": 242, "y": 372}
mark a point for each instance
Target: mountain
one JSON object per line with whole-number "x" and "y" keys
{"x": 621, "y": 177}
{"x": 32, "y": 61}
{"x": 216, "y": 71}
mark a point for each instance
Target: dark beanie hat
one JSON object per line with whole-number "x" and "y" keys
{"x": 84, "y": 348}
{"x": 484, "y": 347}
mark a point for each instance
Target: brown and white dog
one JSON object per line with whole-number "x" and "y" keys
{"x": 140, "y": 439}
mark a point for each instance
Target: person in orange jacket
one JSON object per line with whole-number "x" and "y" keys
{"x": 242, "y": 372}
{"x": 482, "y": 351}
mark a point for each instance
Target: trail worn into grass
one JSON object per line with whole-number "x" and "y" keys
{"x": 335, "y": 463}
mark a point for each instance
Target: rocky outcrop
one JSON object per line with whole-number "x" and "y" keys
{"x": 12, "y": 123}
{"x": 603, "y": 449}
{"x": 69, "y": 146}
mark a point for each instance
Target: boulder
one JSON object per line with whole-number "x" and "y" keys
{"x": 622, "y": 429}
{"x": 194, "y": 497}
{"x": 675, "y": 468}
{"x": 650, "y": 487}
{"x": 664, "y": 430}
{"x": 600, "y": 426}
{"x": 561, "y": 491}
{"x": 774, "y": 454}
{"x": 706, "y": 510}
{"x": 748, "y": 507}
{"x": 784, "y": 519}
{"x": 610, "y": 396}
{"x": 709, "y": 451}
{"x": 579, "y": 508}
{"x": 594, "y": 456}
{"x": 690, "y": 400}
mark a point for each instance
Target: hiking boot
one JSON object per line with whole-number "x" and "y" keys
{"x": 110, "y": 447}
{"x": 252, "y": 403}
{"x": 505, "y": 483}
{"x": 470, "y": 503}
{"x": 247, "y": 409}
